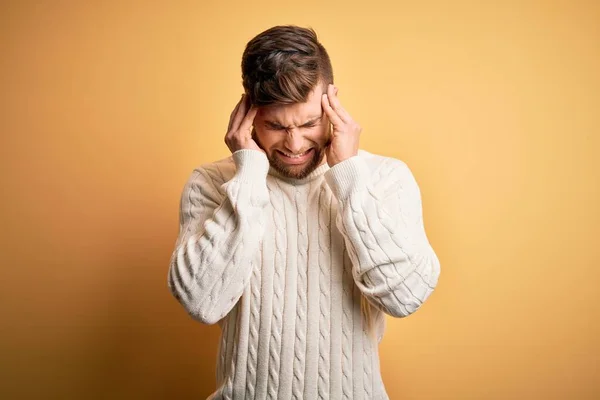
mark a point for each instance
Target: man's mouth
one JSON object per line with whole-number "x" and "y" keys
{"x": 299, "y": 158}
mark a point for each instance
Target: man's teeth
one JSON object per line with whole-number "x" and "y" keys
{"x": 296, "y": 155}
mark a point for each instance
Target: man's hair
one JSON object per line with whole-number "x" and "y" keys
{"x": 283, "y": 64}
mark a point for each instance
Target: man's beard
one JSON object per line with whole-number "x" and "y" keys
{"x": 293, "y": 171}
{"x": 297, "y": 171}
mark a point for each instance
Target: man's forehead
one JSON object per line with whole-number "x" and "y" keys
{"x": 298, "y": 113}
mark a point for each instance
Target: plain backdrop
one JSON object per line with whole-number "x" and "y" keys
{"x": 107, "y": 106}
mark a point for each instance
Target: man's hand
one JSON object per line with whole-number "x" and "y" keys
{"x": 239, "y": 132}
{"x": 346, "y": 132}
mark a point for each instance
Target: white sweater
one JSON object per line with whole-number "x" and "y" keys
{"x": 282, "y": 264}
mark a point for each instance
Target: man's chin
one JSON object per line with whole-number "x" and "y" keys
{"x": 299, "y": 171}
{"x": 293, "y": 172}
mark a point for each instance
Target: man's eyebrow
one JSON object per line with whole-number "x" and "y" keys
{"x": 310, "y": 120}
{"x": 274, "y": 123}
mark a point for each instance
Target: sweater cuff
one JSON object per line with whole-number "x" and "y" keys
{"x": 348, "y": 176}
{"x": 252, "y": 165}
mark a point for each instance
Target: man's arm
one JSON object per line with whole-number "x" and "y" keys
{"x": 393, "y": 263}
{"x": 218, "y": 238}
{"x": 382, "y": 223}
{"x": 220, "y": 230}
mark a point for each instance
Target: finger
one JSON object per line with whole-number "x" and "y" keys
{"x": 336, "y": 105}
{"x": 331, "y": 114}
{"x": 233, "y": 113}
{"x": 246, "y": 125}
{"x": 241, "y": 113}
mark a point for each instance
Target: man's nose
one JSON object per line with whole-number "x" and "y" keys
{"x": 293, "y": 141}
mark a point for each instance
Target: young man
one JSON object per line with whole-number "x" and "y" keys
{"x": 299, "y": 243}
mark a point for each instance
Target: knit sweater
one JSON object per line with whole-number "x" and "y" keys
{"x": 283, "y": 265}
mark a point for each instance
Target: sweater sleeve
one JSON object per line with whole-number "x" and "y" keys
{"x": 219, "y": 235}
{"x": 381, "y": 220}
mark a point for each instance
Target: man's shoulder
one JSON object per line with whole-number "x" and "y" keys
{"x": 226, "y": 162}
{"x": 388, "y": 172}
{"x": 380, "y": 163}
{"x": 218, "y": 172}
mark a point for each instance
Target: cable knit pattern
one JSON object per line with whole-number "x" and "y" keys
{"x": 228, "y": 389}
{"x": 221, "y": 365}
{"x": 278, "y": 275}
{"x": 253, "y": 333}
{"x": 367, "y": 238}
{"x": 367, "y": 352}
{"x": 347, "y": 332}
{"x": 324, "y": 294}
{"x": 300, "y": 344}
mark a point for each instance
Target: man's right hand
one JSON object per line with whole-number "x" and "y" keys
{"x": 239, "y": 132}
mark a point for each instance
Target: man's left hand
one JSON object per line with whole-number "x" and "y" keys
{"x": 346, "y": 132}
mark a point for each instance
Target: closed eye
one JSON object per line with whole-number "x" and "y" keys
{"x": 276, "y": 127}
{"x": 312, "y": 123}
{"x": 309, "y": 125}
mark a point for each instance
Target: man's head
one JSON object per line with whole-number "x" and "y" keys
{"x": 285, "y": 71}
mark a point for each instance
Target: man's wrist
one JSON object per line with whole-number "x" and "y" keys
{"x": 347, "y": 176}
{"x": 252, "y": 165}
{"x": 333, "y": 161}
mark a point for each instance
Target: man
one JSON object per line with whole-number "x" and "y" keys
{"x": 299, "y": 243}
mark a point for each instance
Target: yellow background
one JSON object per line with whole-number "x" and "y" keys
{"x": 107, "y": 106}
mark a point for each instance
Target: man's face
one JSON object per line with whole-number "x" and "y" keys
{"x": 294, "y": 136}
